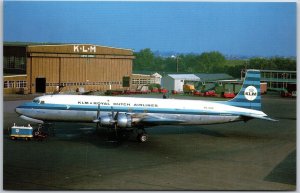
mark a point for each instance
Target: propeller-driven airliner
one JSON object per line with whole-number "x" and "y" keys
{"x": 136, "y": 114}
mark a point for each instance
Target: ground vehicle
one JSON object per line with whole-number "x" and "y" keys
{"x": 27, "y": 133}
{"x": 21, "y": 132}
{"x": 188, "y": 88}
{"x": 228, "y": 95}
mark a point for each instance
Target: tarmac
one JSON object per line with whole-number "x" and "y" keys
{"x": 257, "y": 155}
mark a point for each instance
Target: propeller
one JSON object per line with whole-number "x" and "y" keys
{"x": 97, "y": 120}
{"x": 98, "y": 117}
{"x": 115, "y": 120}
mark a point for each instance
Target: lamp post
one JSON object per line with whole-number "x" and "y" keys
{"x": 177, "y": 58}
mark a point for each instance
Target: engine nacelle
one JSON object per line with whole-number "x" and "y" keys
{"x": 124, "y": 120}
{"x": 106, "y": 120}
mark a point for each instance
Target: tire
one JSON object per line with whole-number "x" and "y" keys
{"x": 142, "y": 137}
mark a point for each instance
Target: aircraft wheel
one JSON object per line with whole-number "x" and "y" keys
{"x": 143, "y": 137}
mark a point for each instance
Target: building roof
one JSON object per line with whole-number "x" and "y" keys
{"x": 143, "y": 72}
{"x": 184, "y": 77}
{"x": 279, "y": 71}
{"x": 212, "y": 77}
{"x": 25, "y": 44}
{"x": 157, "y": 75}
{"x": 70, "y": 48}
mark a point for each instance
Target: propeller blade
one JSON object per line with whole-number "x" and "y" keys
{"x": 97, "y": 120}
{"x": 116, "y": 116}
{"x": 116, "y": 130}
{"x": 112, "y": 112}
{"x": 98, "y": 111}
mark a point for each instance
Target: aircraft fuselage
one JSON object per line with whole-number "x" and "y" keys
{"x": 79, "y": 108}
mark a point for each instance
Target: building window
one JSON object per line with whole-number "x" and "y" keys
{"x": 14, "y": 62}
{"x": 9, "y": 84}
{"x": 20, "y": 84}
{"x": 9, "y": 62}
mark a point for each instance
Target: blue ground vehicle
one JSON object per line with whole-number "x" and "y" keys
{"x": 21, "y": 132}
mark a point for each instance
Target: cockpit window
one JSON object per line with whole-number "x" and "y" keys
{"x": 36, "y": 101}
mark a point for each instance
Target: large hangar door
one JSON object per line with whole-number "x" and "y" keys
{"x": 40, "y": 85}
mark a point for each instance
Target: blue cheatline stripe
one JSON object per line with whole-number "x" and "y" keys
{"x": 243, "y": 97}
{"x": 251, "y": 75}
{"x": 243, "y": 104}
{"x": 245, "y": 100}
{"x": 128, "y": 109}
{"x": 253, "y": 79}
{"x": 251, "y": 83}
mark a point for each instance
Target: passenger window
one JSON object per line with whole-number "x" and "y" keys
{"x": 42, "y": 102}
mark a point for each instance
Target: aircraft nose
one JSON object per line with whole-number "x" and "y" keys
{"x": 18, "y": 110}
{"x": 21, "y": 109}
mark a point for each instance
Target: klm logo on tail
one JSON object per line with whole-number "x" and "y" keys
{"x": 249, "y": 95}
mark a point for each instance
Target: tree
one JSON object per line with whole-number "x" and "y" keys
{"x": 211, "y": 62}
{"x": 144, "y": 60}
{"x": 207, "y": 62}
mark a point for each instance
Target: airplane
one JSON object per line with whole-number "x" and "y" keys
{"x": 135, "y": 114}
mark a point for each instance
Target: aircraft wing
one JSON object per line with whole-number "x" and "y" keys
{"x": 154, "y": 120}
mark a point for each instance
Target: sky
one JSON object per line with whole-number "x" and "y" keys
{"x": 236, "y": 28}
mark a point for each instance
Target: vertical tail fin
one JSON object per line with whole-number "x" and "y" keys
{"x": 249, "y": 95}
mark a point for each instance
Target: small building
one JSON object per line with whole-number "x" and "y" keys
{"x": 66, "y": 66}
{"x": 157, "y": 78}
{"x": 15, "y": 84}
{"x": 208, "y": 81}
{"x": 279, "y": 79}
{"x": 176, "y": 81}
{"x": 139, "y": 80}
{"x": 205, "y": 77}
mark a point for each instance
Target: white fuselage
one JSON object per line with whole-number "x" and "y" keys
{"x": 83, "y": 108}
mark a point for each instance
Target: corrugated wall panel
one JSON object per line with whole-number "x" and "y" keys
{"x": 76, "y": 69}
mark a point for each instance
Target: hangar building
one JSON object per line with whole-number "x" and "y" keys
{"x": 67, "y": 66}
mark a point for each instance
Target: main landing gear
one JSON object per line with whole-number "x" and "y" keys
{"x": 141, "y": 135}
{"x": 120, "y": 135}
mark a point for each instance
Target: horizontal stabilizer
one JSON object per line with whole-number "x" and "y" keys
{"x": 267, "y": 118}
{"x": 258, "y": 117}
